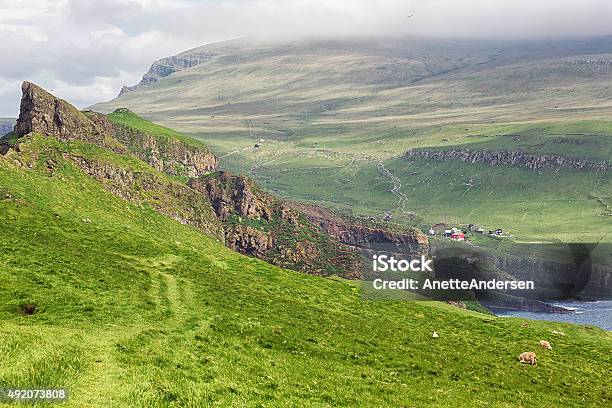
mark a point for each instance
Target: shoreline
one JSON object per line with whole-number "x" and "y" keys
{"x": 598, "y": 313}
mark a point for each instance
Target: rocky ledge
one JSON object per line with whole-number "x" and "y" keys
{"x": 510, "y": 158}
{"x": 41, "y": 112}
{"x": 166, "y": 66}
{"x": 175, "y": 157}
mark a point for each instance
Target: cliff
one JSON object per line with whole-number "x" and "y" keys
{"x": 559, "y": 272}
{"x": 162, "y": 148}
{"x": 41, "y": 112}
{"x": 260, "y": 225}
{"x": 510, "y": 158}
{"x": 560, "y": 279}
{"x": 166, "y": 66}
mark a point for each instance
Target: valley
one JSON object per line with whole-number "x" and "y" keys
{"x": 318, "y": 119}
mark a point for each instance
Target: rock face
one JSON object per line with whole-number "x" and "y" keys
{"x": 260, "y": 225}
{"x": 249, "y": 241}
{"x": 356, "y": 234}
{"x": 171, "y": 156}
{"x": 235, "y": 195}
{"x": 43, "y": 113}
{"x": 510, "y": 158}
{"x": 166, "y": 66}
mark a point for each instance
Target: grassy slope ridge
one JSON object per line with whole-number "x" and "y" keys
{"x": 329, "y": 111}
{"x": 134, "y": 309}
{"x": 130, "y": 119}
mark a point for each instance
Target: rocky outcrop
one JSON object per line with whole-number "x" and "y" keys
{"x": 510, "y": 158}
{"x": 249, "y": 241}
{"x": 167, "y": 66}
{"x": 41, "y": 112}
{"x": 361, "y": 235}
{"x": 171, "y": 156}
{"x": 260, "y": 225}
{"x": 235, "y": 195}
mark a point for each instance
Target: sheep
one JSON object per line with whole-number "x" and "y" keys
{"x": 528, "y": 357}
{"x": 434, "y": 335}
{"x": 545, "y": 345}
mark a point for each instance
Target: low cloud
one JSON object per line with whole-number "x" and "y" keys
{"x": 85, "y": 50}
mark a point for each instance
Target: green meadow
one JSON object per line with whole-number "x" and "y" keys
{"x": 128, "y": 308}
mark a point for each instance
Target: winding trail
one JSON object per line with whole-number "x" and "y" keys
{"x": 397, "y": 186}
{"x": 277, "y": 153}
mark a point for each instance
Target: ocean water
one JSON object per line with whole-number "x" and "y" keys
{"x": 590, "y": 313}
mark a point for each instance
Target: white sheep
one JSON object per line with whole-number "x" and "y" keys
{"x": 545, "y": 345}
{"x": 528, "y": 357}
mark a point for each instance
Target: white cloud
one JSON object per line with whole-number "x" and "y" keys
{"x": 87, "y": 49}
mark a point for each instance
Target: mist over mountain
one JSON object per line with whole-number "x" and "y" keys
{"x": 86, "y": 50}
{"x": 389, "y": 79}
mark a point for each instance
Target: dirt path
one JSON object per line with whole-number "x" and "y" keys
{"x": 397, "y": 186}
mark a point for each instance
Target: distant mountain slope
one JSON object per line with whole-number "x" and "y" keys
{"x": 106, "y": 291}
{"x": 339, "y": 81}
{"x": 330, "y": 122}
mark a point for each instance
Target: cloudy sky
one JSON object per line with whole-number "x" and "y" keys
{"x": 85, "y": 50}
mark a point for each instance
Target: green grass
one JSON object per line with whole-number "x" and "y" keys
{"x": 547, "y": 205}
{"x": 130, "y": 119}
{"x": 136, "y": 310}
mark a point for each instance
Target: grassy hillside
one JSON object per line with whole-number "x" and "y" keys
{"x": 172, "y": 316}
{"x": 126, "y": 307}
{"x": 329, "y": 113}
